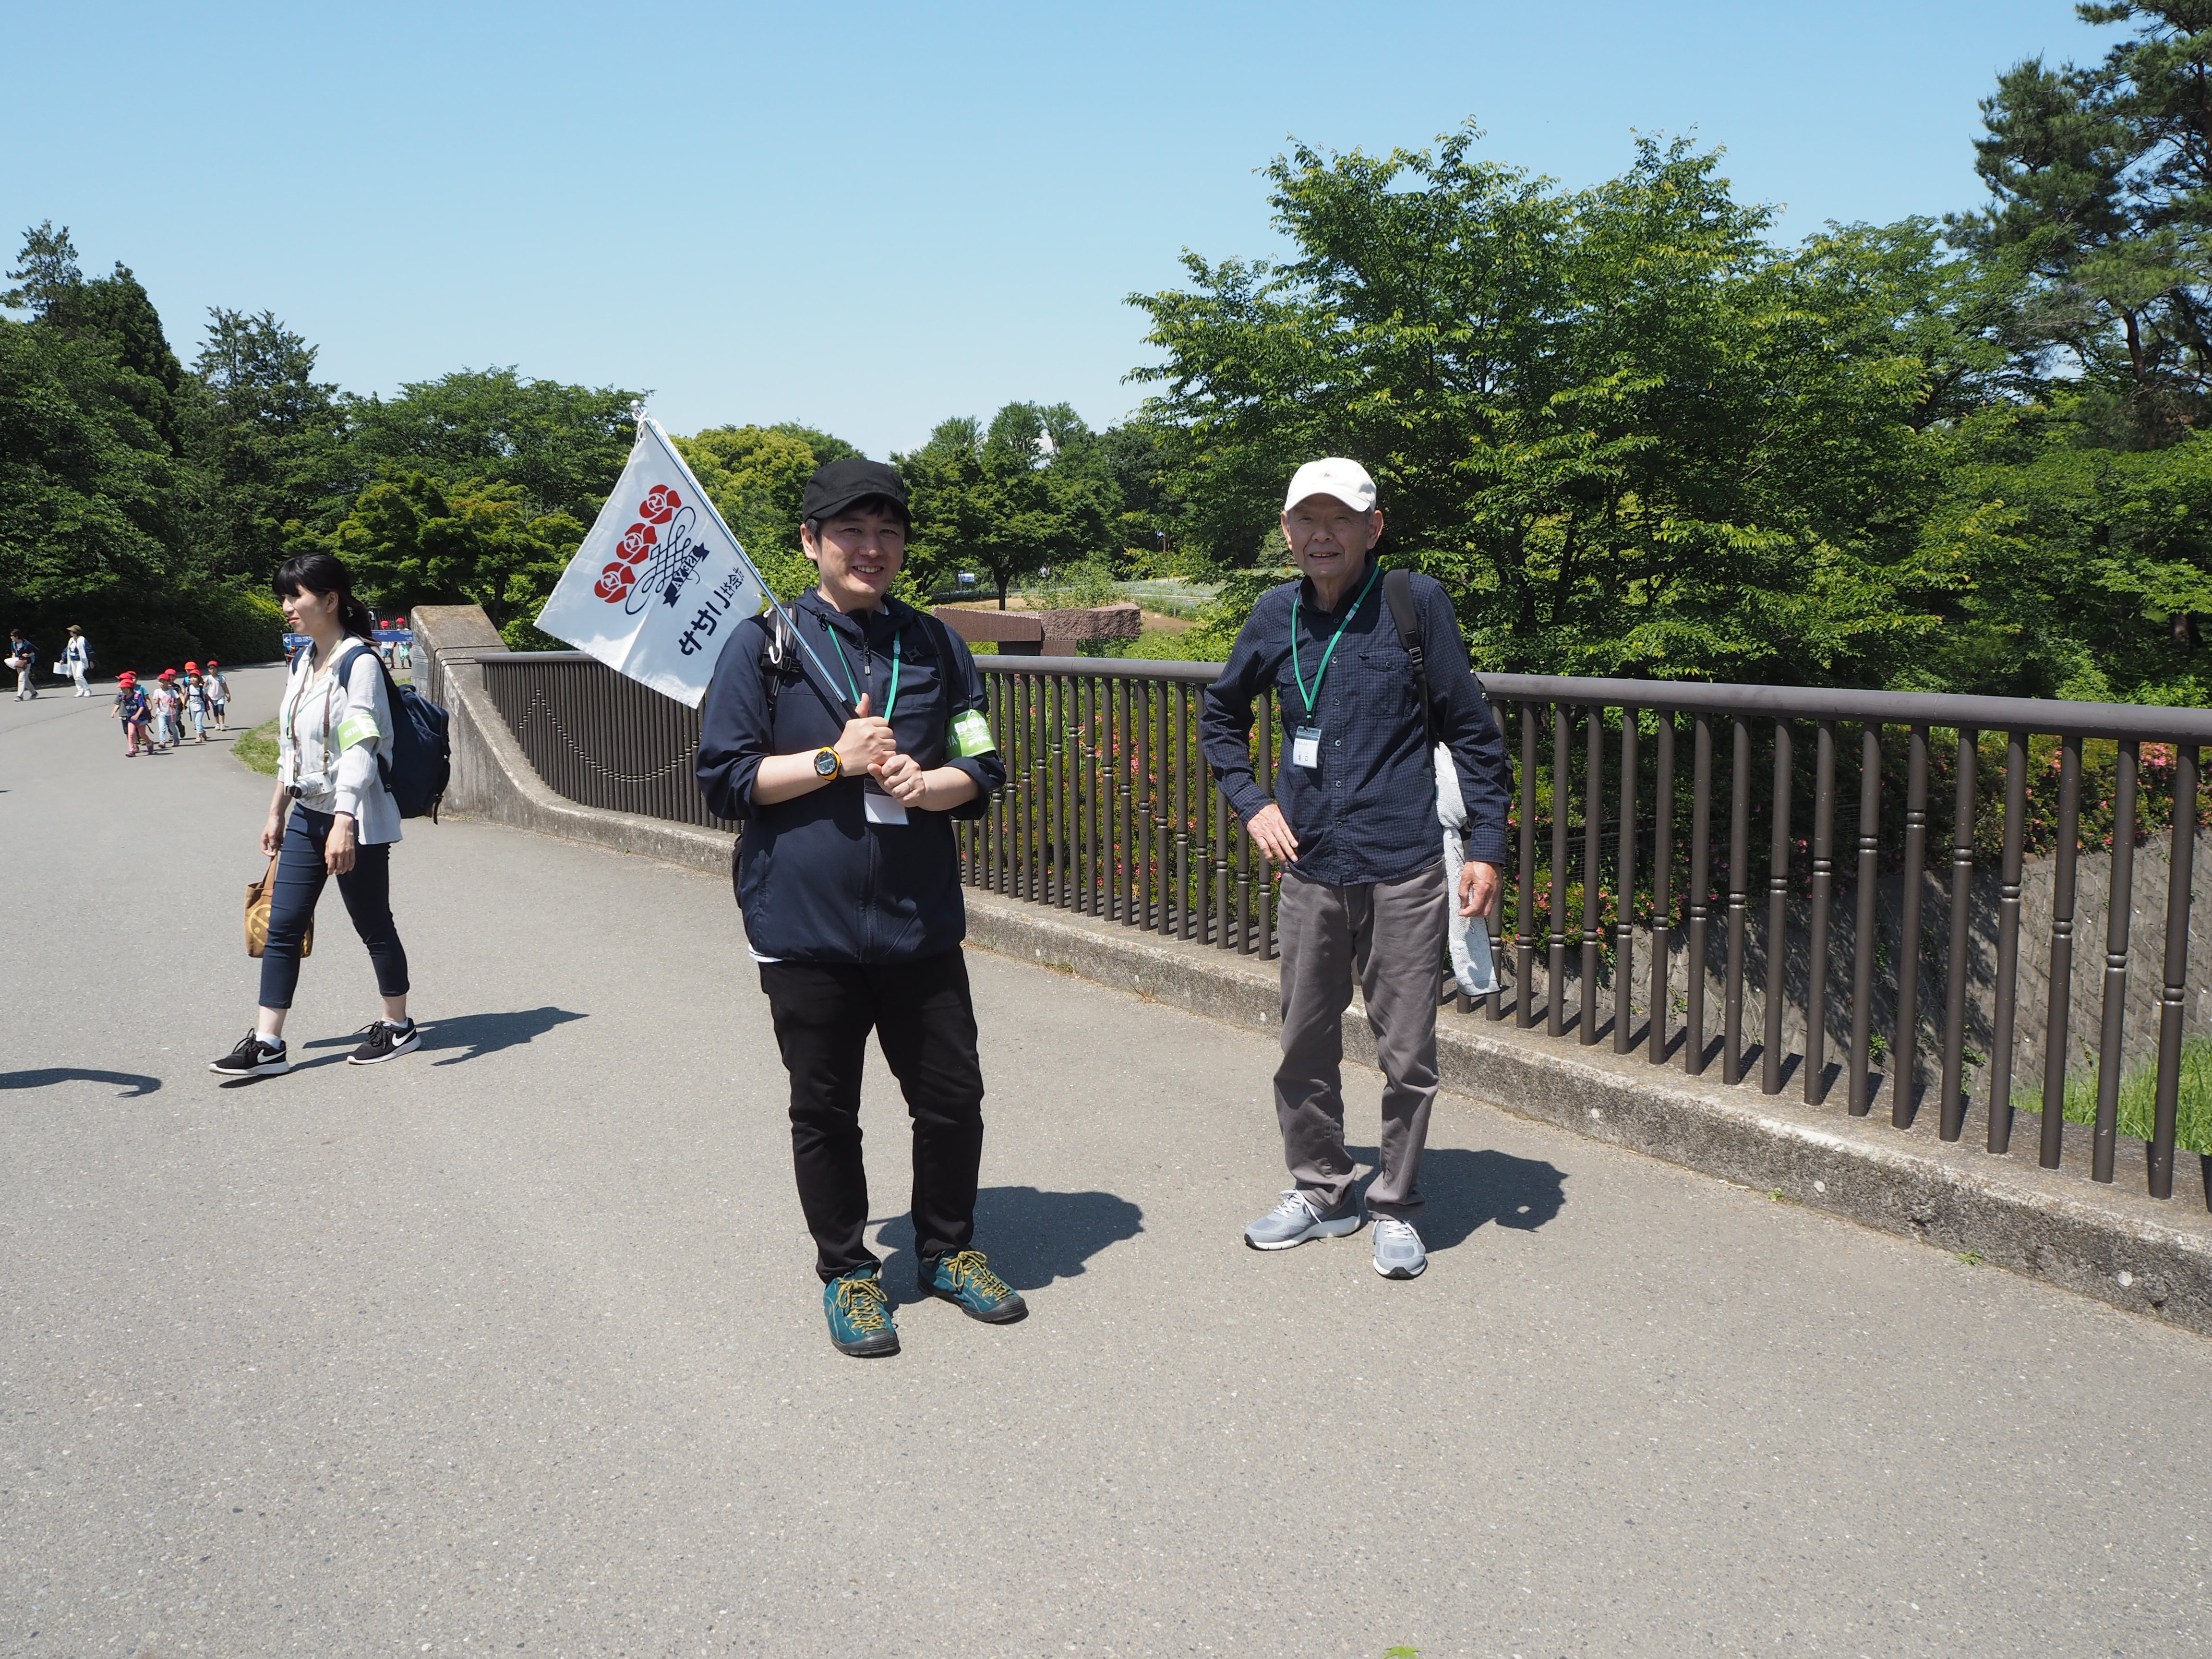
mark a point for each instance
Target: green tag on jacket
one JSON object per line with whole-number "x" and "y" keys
{"x": 971, "y": 736}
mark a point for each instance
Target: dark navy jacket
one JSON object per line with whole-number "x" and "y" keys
{"x": 1368, "y": 812}
{"x": 816, "y": 880}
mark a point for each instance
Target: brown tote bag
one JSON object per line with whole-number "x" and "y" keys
{"x": 258, "y": 897}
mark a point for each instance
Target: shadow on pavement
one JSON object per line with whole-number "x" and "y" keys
{"x": 1465, "y": 1189}
{"x": 479, "y": 1034}
{"x": 132, "y": 1083}
{"x": 1032, "y": 1237}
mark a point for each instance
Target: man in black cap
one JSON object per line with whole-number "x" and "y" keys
{"x": 847, "y": 751}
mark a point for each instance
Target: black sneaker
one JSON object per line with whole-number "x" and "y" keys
{"x": 255, "y": 1057}
{"x": 384, "y": 1041}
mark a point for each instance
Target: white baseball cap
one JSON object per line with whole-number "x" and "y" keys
{"x": 1334, "y": 476}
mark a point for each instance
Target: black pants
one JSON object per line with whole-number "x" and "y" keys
{"x": 925, "y": 1019}
{"x": 365, "y": 889}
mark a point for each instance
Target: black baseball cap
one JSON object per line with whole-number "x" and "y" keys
{"x": 835, "y": 486}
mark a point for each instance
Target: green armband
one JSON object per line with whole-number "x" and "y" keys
{"x": 971, "y": 736}
{"x": 356, "y": 728}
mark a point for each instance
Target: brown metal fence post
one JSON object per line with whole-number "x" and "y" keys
{"x": 1701, "y": 887}
{"x": 1662, "y": 896}
{"x": 1953, "y": 1121}
{"x": 2118, "y": 914}
{"x": 2007, "y": 990}
{"x": 1905, "y": 1047}
{"x": 1624, "y": 887}
{"x": 1778, "y": 915}
{"x": 2173, "y": 993}
{"x": 2060, "y": 1008}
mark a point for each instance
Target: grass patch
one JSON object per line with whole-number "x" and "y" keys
{"x": 2192, "y": 1117}
{"x": 257, "y": 748}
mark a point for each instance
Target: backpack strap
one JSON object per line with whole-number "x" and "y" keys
{"x": 1398, "y": 594}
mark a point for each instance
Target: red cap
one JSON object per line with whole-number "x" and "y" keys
{"x": 212, "y": 663}
{"x": 169, "y": 673}
{"x": 126, "y": 678}
{"x": 191, "y": 668}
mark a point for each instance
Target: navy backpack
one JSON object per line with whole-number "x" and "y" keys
{"x": 420, "y": 763}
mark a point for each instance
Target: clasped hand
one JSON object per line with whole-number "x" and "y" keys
{"x": 866, "y": 745}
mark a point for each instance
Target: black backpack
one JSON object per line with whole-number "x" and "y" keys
{"x": 419, "y": 764}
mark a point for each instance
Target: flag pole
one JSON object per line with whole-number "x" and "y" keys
{"x": 647, "y": 423}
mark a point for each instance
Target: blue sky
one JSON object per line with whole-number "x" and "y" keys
{"x": 870, "y": 216}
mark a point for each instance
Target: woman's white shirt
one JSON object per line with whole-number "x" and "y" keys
{"x": 329, "y": 737}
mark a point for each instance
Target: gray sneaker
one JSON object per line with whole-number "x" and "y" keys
{"x": 1295, "y": 1220}
{"x": 1398, "y": 1252}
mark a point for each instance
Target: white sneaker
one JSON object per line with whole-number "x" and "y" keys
{"x": 1398, "y": 1250}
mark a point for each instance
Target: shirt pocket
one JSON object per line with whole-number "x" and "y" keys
{"x": 1380, "y": 684}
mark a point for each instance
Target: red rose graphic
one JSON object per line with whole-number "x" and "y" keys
{"x": 659, "y": 504}
{"x": 613, "y": 583}
{"x": 637, "y": 543}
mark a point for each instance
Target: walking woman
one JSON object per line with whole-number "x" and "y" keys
{"x": 76, "y": 658}
{"x": 331, "y": 725}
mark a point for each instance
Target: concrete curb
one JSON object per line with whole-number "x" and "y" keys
{"x": 2109, "y": 1243}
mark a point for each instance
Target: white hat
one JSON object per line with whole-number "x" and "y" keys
{"x": 1345, "y": 480}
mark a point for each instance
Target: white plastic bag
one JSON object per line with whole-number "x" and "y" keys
{"x": 1472, "y": 964}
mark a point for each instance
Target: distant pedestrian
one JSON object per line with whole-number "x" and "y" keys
{"x": 218, "y": 694}
{"x": 23, "y": 657}
{"x": 163, "y": 696}
{"x": 77, "y": 659}
{"x": 132, "y": 709}
{"x": 195, "y": 693}
{"x": 1353, "y": 826}
{"x": 334, "y": 723}
{"x": 848, "y": 875}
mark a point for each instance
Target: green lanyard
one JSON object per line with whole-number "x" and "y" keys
{"x": 1297, "y": 673}
{"x": 889, "y": 702}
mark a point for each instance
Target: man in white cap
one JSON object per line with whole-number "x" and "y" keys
{"x": 1353, "y": 826}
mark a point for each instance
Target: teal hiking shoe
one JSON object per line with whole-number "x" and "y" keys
{"x": 963, "y": 1280}
{"x": 860, "y": 1315}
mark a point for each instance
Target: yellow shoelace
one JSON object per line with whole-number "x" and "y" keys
{"x": 967, "y": 1268}
{"x": 862, "y": 1301}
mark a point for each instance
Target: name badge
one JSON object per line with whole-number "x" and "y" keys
{"x": 883, "y": 806}
{"x": 1305, "y": 746}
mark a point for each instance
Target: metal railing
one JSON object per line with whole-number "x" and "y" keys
{"x": 1623, "y": 916}
{"x": 601, "y": 738}
{"x": 1109, "y": 812}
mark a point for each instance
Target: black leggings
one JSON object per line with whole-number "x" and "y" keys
{"x": 365, "y": 889}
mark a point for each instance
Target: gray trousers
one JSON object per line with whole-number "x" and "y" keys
{"x": 1392, "y": 933}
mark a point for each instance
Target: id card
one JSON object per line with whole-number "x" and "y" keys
{"x": 883, "y": 806}
{"x": 1305, "y": 746}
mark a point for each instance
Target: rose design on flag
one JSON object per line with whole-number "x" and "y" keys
{"x": 638, "y": 541}
{"x": 613, "y": 583}
{"x": 659, "y": 504}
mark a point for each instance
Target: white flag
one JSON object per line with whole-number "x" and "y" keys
{"x": 659, "y": 583}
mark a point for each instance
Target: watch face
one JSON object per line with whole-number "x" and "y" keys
{"x": 826, "y": 763}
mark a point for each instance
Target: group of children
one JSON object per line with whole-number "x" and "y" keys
{"x": 161, "y": 713}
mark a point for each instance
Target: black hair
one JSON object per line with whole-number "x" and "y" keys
{"x": 324, "y": 572}
{"x": 884, "y": 504}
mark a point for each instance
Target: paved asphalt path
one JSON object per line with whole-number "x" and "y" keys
{"x": 514, "y": 1345}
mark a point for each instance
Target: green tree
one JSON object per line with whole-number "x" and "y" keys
{"x": 1629, "y": 435}
{"x": 2100, "y": 181}
{"x": 563, "y": 445}
{"x": 96, "y": 498}
{"x": 413, "y": 540}
{"x": 757, "y": 476}
{"x": 272, "y": 439}
{"x": 1010, "y": 499}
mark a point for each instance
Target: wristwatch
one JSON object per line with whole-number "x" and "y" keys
{"x": 827, "y": 763}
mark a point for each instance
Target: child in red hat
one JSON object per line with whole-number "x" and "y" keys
{"x": 130, "y": 709}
